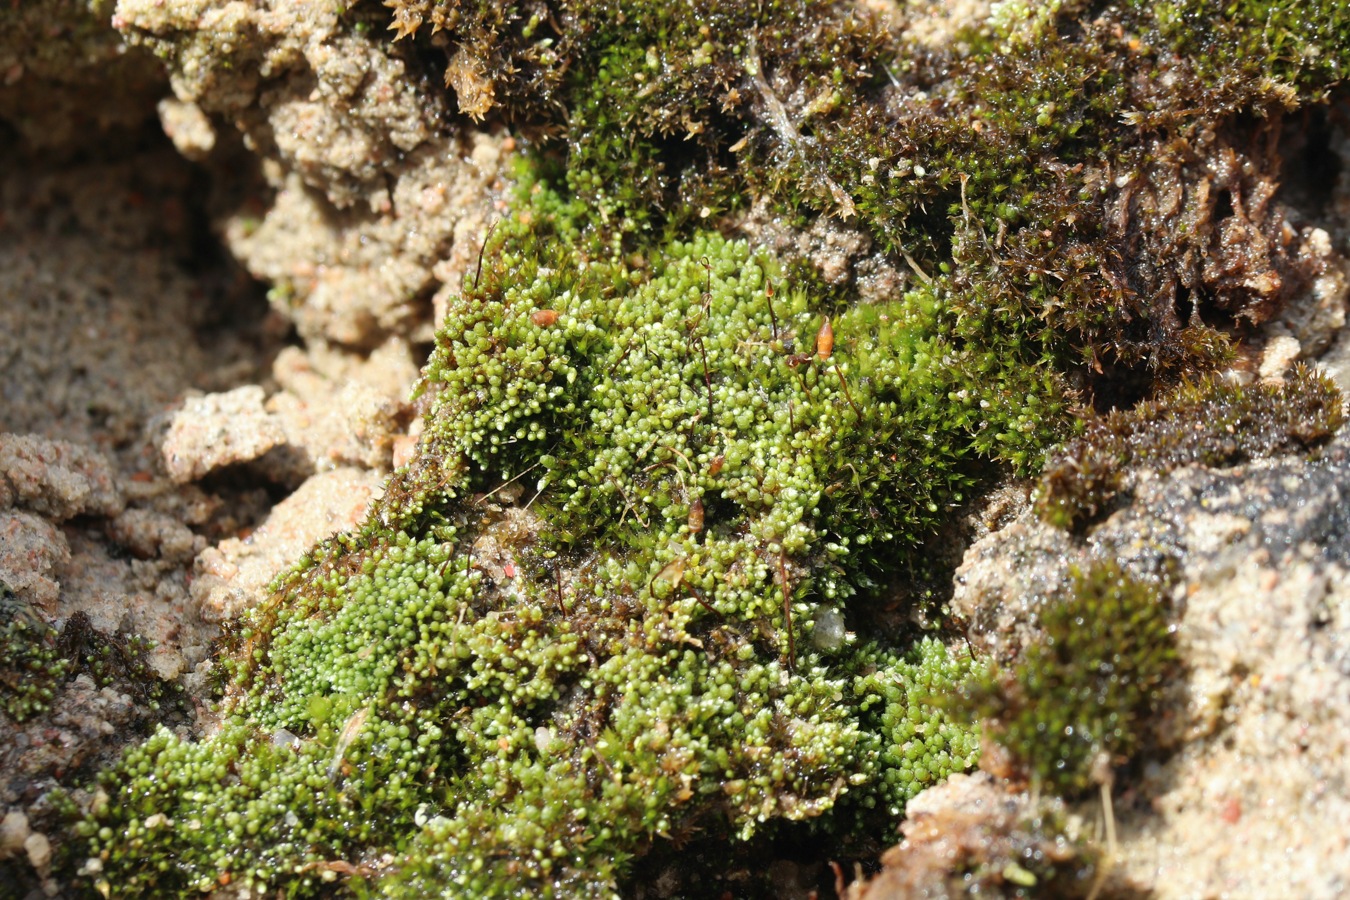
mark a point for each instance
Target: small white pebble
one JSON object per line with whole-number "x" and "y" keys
{"x": 39, "y": 851}
{"x": 542, "y": 738}
{"x": 13, "y": 832}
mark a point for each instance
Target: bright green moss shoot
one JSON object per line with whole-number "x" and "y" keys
{"x": 714, "y": 490}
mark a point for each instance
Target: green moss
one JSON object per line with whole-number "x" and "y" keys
{"x": 1206, "y": 422}
{"x": 632, "y": 389}
{"x": 1064, "y": 178}
{"x": 1079, "y": 700}
{"x": 715, "y": 482}
{"x": 649, "y": 97}
{"x": 36, "y": 660}
{"x": 1066, "y": 175}
{"x": 31, "y": 667}
{"x": 120, "y": 658}
{"x": 1270, "y": 43}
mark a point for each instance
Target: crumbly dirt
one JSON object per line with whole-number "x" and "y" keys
{"x": 158, "y": 400}
{"x": 67, "y": 78}
{"x": 230, "y": 576}
{"x": 103, "y": 327}
{"x": 976, "y": 835}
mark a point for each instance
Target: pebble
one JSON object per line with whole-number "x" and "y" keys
{"x": 39, "y": 851}
{"x": 13, "y": 833}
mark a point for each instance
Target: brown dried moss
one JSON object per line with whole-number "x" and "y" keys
{"x": 1206, "y": 422}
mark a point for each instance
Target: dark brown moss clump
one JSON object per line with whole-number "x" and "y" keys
{"x": 36, "y": 660}
{"x": 119, "y": 658}
{"x": 1206, "y": 422}
{"x": 1101, "y": 188}
{"x": 978, "y": 837}
{"x": 1078, "y": 701}
{"x": 649, "y": 98}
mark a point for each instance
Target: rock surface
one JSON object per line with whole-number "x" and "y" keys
{"x": 1246, "y": 793}
{"x": 974, "y": 834}
{"x": 231, "y": 576}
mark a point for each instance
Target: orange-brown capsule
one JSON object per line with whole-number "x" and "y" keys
{"x": 696, "y": 516}
{"x": 544, "y": 317}
{"x": 716, "y": 465}
{"x": 825, "y": 340}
